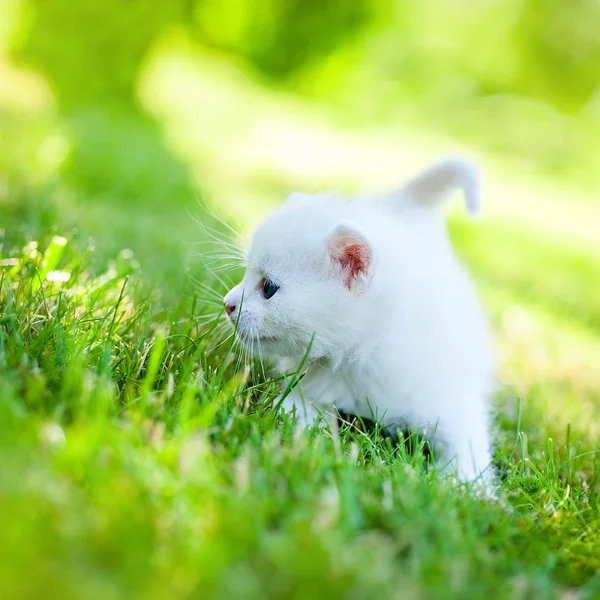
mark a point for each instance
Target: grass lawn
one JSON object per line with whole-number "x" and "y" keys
{"x": 136, "y": 461}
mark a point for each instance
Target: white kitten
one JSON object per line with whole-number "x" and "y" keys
{"x": 397, "y": 332}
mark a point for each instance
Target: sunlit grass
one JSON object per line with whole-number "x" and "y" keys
{"x": 146, "y": 468}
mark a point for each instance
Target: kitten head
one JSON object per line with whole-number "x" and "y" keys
{"x": 307, "y": 269}
{"x": 310, "y": 267}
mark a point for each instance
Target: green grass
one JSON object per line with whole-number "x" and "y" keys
{"x": 137, "y": 463}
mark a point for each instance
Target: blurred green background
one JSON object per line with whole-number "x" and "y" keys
{"x": 120, "y": 121}
{"x": 145, "y": 103}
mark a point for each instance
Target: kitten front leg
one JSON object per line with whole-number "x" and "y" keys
{"x": 310, "y": 399}
{"x": 306, "y": 413}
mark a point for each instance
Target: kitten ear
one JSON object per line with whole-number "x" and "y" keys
{"x": 350, "y": 250}
{"x": 434, "y": 185}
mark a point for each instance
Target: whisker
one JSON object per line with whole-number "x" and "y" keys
{"x": 199, "y": 317}
{"x": 215, "y": 234}
{"x": 221, "y": 265}
{"x": 240, "y": 353}
{"x": 252, "y": 373}
{"x": 217, "y": 266}
{"x": 209, "y": 304}
{"x": 214, "y": 257}
{"x": 214, "y": 348}
{"x": 215, "y": 328}
{"x": 219, "y": 254}
{"x": 211, "y": 291}
{"x": 225, "y": 284}
{"x": 260, "y": 360}
{"x": 219, "y": 244}
{"x": 203, "y": 319}
{"x": 216, "y": 261}
{"x": 224, "y": 222}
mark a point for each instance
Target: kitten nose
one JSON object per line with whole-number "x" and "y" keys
{"x": 229, "y": 308}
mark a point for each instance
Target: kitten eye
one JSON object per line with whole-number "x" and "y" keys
{"x": 269, "y": 288}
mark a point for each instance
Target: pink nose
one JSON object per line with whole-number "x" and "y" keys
{"x": 229, "y": 308}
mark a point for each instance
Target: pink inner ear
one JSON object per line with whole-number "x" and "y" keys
{"x": 354, "y": 258}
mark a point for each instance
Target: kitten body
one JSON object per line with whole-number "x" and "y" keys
{"x": 393, "y": 324}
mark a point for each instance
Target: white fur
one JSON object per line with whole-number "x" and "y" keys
{"x": 406, "y": 343}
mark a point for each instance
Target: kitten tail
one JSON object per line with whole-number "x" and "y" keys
{"x": 435, "y": 185}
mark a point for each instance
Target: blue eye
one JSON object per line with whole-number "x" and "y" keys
{"x": 269, "y": 288}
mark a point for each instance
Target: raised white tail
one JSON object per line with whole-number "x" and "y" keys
{"x": 434, "y": 185}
